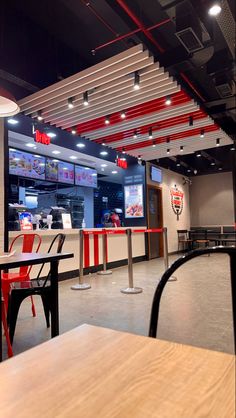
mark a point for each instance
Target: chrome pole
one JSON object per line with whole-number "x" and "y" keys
{"x": 104, "y": 254}
{"x": 81, "y": 285}
{"x": 166, "y": 254}
{"x": 130, "y": 288}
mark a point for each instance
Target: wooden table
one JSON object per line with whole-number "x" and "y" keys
{"x": 29, "y": 259}
{"x": 93, "y": 372}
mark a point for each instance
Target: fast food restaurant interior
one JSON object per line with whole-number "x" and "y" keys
{"x": 118, "y": 208}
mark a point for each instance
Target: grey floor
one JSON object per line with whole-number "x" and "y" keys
{"x": 196, "y": 309}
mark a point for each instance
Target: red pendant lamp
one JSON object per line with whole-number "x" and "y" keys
{"x": 8, "y": 104}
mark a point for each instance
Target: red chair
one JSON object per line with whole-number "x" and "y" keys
{"x": 30, "y": 243}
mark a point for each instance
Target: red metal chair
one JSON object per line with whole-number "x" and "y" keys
{"x": 30, "y": 243}
{"x": 5, "y": 328}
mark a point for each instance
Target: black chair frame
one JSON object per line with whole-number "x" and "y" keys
{"x": 231, "y": 251}
{"x": 36, "y": 286}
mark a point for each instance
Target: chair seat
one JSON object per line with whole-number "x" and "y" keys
{"x": 186, "y": 240}
{"x": 202, "y": 240}
{"x": 15, "y": 277}
{"x": 30, "y": 284}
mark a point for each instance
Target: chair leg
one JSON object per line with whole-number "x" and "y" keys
{"x": 15, "y": 301}
{"x": 4, "y": 322}
{"x": 46, "y": 307}
{"x": 33, "y": 306}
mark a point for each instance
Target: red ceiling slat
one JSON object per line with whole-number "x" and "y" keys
{"x": 179, "y": 135}
{"x": 135, "y": 111}
{"x": 156, "y": 126}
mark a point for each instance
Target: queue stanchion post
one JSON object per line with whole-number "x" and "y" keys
{"x": 166, "y": 254}
{"x": 130, "y": 289}
{"x": 104, "y": 254}
{"x": 81, "y": 285}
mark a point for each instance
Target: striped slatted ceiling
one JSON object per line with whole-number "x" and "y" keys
{"x": 110, "y": 91}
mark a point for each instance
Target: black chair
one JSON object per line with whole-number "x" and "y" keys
{"x": 231, "y": 251}
{"x": 184, "y": 240}
{"x": 42, "y": 287}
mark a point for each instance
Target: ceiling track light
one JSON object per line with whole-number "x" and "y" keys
{"x": 123, "y": 115}
{"x": 135, "y": 134}
{"x": 123, "y": 150}
{"x": 181, "y": 148}
{"x": 218, "y": 142}
{"x": 168, "y": 151}
{"x": 107, "y": 120}
{"x": 168, "y": 100}
{"x": 213, "y": 163}
{"x": 70, "y": 103}
{"x": 190, "y": 121}
{"x": 85, "y": 98}
{"x": 198, "y": 154}
{"x": 215, "y": 8}
{"x": 150, "y": 133}
{"x": 73, "y": 131}
{"x": 178, "y": 164}
{"x": 139, "y": 157}
{"x": 136, "y": 80}
{"x": 39, "y": 115}
{"x": 153, "y": 144}
{"x": 202, "y": 133}
{"x": 168, "y": 140}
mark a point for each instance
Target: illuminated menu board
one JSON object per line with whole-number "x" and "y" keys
{"x": 85, "y": 176}
{"x": 51, "y": 169}
{"x": 26, "y": 165}
{"x": 134, "y": 201}
{"x": 65, "y": 172}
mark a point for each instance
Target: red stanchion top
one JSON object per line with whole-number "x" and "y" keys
{"x": 120, "y": 231}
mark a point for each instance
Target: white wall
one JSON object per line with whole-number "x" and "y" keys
{"x": 170, "y": 179}
{"x": 211, "y": 200}
{"x": 2, "y": 184}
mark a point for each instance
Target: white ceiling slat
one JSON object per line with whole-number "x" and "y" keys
{"x": 153, "y": 117}
{"x": 125, "y": 104}
{"x": 136, "y": 50}
{"x": 99, "y": 96}
{"x": 90, "y": 82}
{"x": 122, "y": 103}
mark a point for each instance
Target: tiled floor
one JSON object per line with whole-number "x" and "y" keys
{"x": 196, "y": 309}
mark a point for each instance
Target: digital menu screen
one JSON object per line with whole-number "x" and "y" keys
{"x": 26, "y": 165}
{"x": 156, "y": 174}
{"x": 51, "y": 169}
{"x": 134, "y": 201}
{"x": 85, "y": 176}
{"x": 65, "y": 172}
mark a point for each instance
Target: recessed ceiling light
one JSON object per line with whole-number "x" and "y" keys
{"x": 39, "y": 115}
{"x": 215, "y": 9}
{"x": 232, "y": 148}
{"x": 73, "y": 131}
{"x": 80, "y": 145}
{"x": 123, "y": 115}
{"x": 42, "y": 164}
{"x": 56, "y": 152}
{"x": 103, "y": 165}
{"x": 189, "y": 171}
{"x": 16, "y": 159}
{"x": 198, "y": 154}
{"x": 37, "y": 156}
{"x": 12, "y": 121}
{"x": 178, "y": 164}
{"x": 114, "y": 172}
{"x": 103, "y": 153}
{"x": 55, "y": 161}
{"x": 30, "y": 145}
{"x": 65, "y": 168}
{"x": 107, "y": 120}
{"x": 86, "y": 168}
{"x": 220, "y": 168}
{"x": 51, "y": 134}
{"x": 12, "y": 149}
{"x": 73, "y": 157}
{"x": 94, "y": 174}
{"x": 103, "y": 144}
{"x": 213, "y": 163}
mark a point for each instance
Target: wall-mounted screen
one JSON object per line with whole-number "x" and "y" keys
{"x": 27, "y": 165}
{"x": 85, "y": 176}
{"x": 65, "y": 172}
{"x": 134, "y": 201}
{"x": 156, "y": 174}
{"x": 51, "y": 169}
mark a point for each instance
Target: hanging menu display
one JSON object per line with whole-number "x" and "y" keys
{"x": 85, "y": 176}
{"x": 65, "y": 172}
{"x": 51, "y": 169}
{"x": 134, "y": 201}
{"x": 26, "y": 165}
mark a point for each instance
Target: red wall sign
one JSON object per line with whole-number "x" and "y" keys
{"x": 121, "y": 163}
{"x": 42, "y": 138}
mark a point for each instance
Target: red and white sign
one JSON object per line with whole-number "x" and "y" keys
{"x": 177, "y": 198}
{"x": 42, "y": 138}
{"x": 121, "y": 162}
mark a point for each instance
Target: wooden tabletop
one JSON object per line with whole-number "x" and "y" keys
{"x": 25, "y": 259}
{"x": 93, "y": 372}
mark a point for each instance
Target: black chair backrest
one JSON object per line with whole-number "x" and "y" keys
{"x": 231, "y": 251}
{"x": 60, "y": 239}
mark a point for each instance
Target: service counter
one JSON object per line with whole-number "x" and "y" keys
{"x": 116, "y": 247}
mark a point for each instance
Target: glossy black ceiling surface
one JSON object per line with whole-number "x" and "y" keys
{"x": 43, "y": 42}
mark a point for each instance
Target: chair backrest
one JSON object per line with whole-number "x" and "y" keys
{"x": 231, "y": 251}
{"x": 58, "y": 242}
{"x": 30, "y": 243}
{"x": 182, "y": 234}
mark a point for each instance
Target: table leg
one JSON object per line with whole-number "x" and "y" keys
{"x": 54, "y": 299}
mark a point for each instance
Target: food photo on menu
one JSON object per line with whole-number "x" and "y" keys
{"x": 134, "y": 201}
{"x": 51, "y": 169}
{"x": 26, "y": 165}
{"x": 85, "y": 176}
{"x": 65, "y": 172}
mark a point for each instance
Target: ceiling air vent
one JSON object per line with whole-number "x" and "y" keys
{"x": 189, "y": 40}
{"x": 224, "y": 90}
